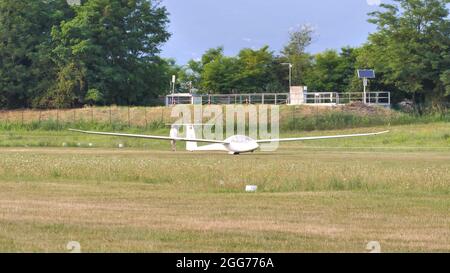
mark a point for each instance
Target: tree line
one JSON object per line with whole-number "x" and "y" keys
{"x": 53, "y": 54}
{"x": 410, "y": 52}
{"x": 103, "y": 52}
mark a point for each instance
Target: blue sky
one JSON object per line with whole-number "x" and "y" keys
{"x": 198, "y": 25}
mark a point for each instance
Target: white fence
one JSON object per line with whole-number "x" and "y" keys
{"x": 318, "y": 98}
{"x": 333, "y": 98}
{"x": 263, "y": 98}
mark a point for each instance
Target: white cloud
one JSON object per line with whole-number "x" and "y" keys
{"x": 248, "y": 40}
{"x": 373, "y": 2}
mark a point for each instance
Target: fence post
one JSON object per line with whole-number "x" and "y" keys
{"x": 110, "y": 115}
{"x": 57, "y": 117}
{"x": 129, "y": 122}
{"x": 294, "y": 126}
{"x": 145, "y": 115}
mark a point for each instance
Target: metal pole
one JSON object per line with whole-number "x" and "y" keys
{"x": 145, "y": 114}
{"x": 129, "y": 122}
{"x": 290, "y": 76}
{"x": 173, "y": 83}
{"x": 364, "y": 93}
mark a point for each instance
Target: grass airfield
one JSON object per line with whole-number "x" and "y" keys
{"x": 321, "y": 196}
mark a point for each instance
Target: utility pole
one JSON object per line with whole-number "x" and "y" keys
{"x": 174, "y": 79}
{"x": 290, "y": 74}
{"x": 365, "y": 75}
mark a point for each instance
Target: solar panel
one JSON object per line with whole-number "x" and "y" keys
{"x": 366, "y": 73}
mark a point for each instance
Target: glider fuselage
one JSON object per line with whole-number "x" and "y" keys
{"x": 235, "y": 145}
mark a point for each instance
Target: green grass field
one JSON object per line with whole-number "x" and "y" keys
{"x": 322, "y": 196}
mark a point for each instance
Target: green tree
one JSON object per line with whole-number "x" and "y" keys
{"x": 212, "y": 55}
{"x": 255, "y": 70}
{"x": 323, "y": 75}
{"x": 411, "y": 49}
{"x": 117, "y": 43}
{"x": 295, "y": 52}
{"x": 67, "y": 90}
{"x": 347, "y": 68}
{"x": 219, "y": 75}
{"x": 26, "y": 67}
{"x": 189, "y": 76}
{"x": 94, "y": 96}
{"x": 250, "y": 71}
{"x": 332, "y": 71}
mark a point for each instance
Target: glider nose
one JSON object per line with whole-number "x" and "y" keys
{"x": 244, "y": 147}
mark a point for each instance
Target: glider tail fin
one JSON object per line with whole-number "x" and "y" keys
{"x": 190, "y": 133}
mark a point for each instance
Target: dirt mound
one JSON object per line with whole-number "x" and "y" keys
{"x": 364, "y": 109}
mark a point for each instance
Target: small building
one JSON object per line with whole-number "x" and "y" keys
{"x": 183, "y": 98}
{"x": 297, "y": 95}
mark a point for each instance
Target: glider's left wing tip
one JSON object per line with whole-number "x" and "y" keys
{"x": 75, "y": 130}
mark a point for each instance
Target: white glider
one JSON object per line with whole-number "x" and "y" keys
{"x": 234, "y": 145}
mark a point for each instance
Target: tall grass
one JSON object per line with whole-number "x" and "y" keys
{"x": 53, "y": 125}
{"x": 291, "y": 119}
{"x": 344, "y": 120}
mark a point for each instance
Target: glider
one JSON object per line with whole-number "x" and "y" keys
{"x": 233, "y": 145}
